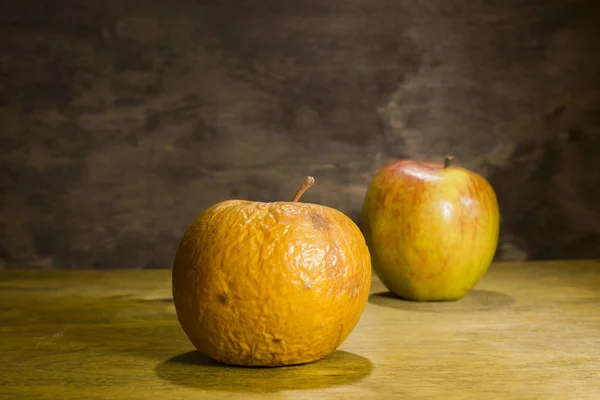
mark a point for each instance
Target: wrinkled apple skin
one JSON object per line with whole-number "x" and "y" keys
{"x": 432, "y": 231}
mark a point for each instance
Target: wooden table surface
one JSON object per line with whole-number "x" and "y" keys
{"x": 528, "y": 331}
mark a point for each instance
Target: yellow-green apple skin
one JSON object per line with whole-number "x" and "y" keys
{"x": 432, "y": 230}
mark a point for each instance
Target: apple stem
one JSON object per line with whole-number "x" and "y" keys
{"x": 308, "y": 182}
{"x": 448, "y": 161}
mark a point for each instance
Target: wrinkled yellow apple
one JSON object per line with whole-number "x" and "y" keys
{"x": 270, "y": 284}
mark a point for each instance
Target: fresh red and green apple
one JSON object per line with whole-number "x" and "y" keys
{"x": 432, "y": 228}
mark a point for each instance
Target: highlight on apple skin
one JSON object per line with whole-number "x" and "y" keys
{"x": 431, "y": 228}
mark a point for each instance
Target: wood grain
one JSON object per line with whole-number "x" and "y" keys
{"x": 528, "y": 331}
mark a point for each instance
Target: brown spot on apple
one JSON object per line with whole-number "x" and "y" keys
{"x": 319, "y": 222}
{"x": 224, "y": 298}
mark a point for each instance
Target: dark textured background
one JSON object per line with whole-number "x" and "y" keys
{"x": 120, "y": 120}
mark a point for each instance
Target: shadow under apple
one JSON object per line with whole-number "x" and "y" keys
{"x": 192, "y": 369}
{"x": 474, "y": 301}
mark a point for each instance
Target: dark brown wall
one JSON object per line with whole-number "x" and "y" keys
{"x": 120, "y": 121}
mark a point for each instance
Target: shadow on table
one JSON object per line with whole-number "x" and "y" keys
{"x": 194, "y": 370}
{"x": 476, "y": 300}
